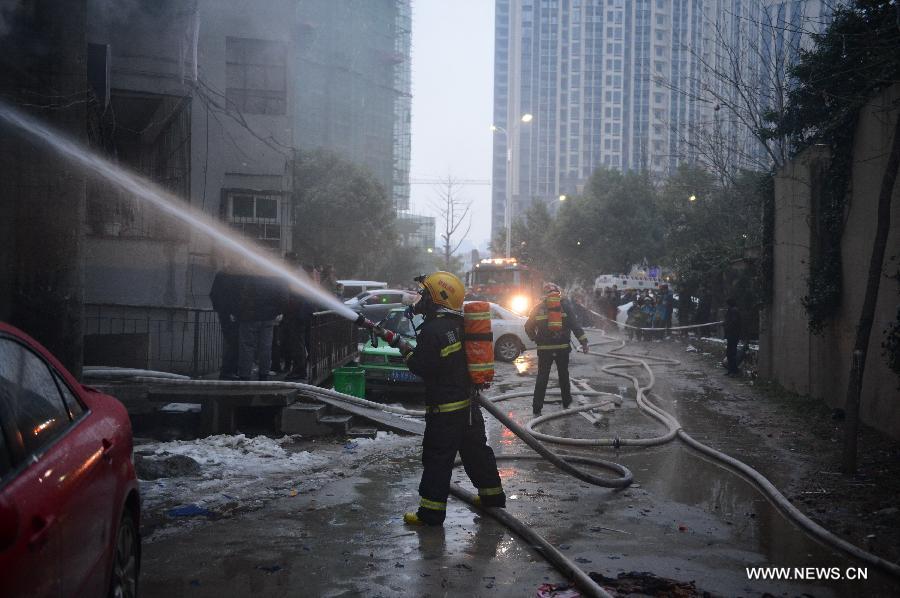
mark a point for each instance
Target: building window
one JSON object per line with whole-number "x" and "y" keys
{"x": 151, "y": 135}
{"x": 256, "y": 72}
{"x": 258, "y": 215}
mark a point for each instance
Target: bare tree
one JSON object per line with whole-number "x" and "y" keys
{"x": 741, "y": 88}
{"x": 453, "y": 214}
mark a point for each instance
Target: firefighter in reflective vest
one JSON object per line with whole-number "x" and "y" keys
{"x": 549, "y": 324}
{"x": 453, "y": 420}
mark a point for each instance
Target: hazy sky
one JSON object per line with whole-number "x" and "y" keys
{"x": 452, "y": 86}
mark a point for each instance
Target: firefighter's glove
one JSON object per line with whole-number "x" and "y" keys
{"x": 584, "y": 346}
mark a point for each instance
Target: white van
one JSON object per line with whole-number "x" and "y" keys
{"x": 348, "y": 289}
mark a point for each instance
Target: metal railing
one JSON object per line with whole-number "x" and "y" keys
{"x": 332, "y": 344}
{"x": 189, "y": 340}
{"x": 170, "y": 339}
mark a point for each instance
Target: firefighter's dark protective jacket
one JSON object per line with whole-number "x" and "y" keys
{"x": 551, "y": 322}
{"x": 440, "y": 360}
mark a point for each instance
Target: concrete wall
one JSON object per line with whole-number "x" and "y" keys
{"x": 819, "y": 365}
{"x": 41, "y": 194}
{"x": 135, "y": 272}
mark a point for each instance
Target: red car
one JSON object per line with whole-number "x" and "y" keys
{"x": 69, "y": 503}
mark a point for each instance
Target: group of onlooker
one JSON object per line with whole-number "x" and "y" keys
{"x": 265, "y": 326}
{"x": 648, "y": 309}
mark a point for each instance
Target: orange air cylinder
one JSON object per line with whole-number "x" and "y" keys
{"x": 478, "y": 340}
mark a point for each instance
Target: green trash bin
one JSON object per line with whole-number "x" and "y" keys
{"x": 350, "y": 380}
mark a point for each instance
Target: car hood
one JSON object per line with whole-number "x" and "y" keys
{"x": 383, "y": 348}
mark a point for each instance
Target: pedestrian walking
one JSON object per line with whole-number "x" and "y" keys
{"x": 550, "y": 324}
{"x": 224, "y": 296}
{"x": 732, "y": 337}
{"x": 453, "y": 420}
{"x": 262, "y": 300}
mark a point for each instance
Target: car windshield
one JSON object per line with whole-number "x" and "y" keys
{"x": 397, "y": 321}
{"x": 496, "y": 277}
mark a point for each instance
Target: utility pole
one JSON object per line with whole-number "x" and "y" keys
{"x": 42, "y": 197}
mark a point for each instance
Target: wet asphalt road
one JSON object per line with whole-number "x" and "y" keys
{"x": 685, "y": 518}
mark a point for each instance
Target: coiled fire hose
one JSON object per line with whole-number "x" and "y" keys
{"x": 565, "y": 462}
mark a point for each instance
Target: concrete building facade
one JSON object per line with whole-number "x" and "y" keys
{"x": 353, "y": 85}
{"x": 210, "y": 100}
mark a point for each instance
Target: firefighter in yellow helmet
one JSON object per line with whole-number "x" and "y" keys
{"x": 549, "y": 324}
{"x": 453, "y": 420}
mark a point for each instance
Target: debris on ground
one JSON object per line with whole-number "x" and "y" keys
{"x": 152, "y": 468}
{"x": 190, "y": 511}
{"x": 648, "y": 584}
{"x": 557, "y": 590}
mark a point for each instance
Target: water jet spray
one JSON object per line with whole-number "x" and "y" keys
{"x": 170, "y": 204}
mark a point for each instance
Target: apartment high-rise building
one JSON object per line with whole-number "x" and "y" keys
{"x": 631, "y": 85}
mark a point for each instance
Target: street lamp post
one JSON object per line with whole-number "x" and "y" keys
{"x": 526, "y": 118}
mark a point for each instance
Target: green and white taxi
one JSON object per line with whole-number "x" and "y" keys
{"x": 384, "y": 366}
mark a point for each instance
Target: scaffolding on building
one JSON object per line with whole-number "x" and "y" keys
{"x": 402, "y": 102}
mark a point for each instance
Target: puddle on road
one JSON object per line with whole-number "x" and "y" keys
{"x": 526, "y": 363}
{"x": 686, "y": 517}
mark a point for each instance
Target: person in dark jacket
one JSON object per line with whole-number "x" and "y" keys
{"x": 453, "y": 420}
{"x": 732, "y": 336}
{"x": 550, "y": 324}
{"x": 262, "y": 300}
{"x": 297, "y": 328}
{"x": 224, "y": 296}
{"x": 667, "y": 304}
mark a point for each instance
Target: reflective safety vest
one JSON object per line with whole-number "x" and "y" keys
{"x": 550, "y": 324}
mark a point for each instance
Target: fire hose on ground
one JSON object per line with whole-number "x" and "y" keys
{"x": 565, "y": 462}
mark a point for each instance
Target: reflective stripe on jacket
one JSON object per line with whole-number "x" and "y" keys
{"x": 440, "y": 360}
{"x": 547, "y": 335}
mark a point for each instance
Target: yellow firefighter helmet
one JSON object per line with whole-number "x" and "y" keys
{"x": 445, "y": 290}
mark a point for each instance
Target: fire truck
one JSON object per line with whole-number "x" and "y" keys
{"x": 504, "y": 281}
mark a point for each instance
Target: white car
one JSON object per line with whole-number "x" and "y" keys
{"x": 510, "y": 339}
{"x": 376, "y": 304}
